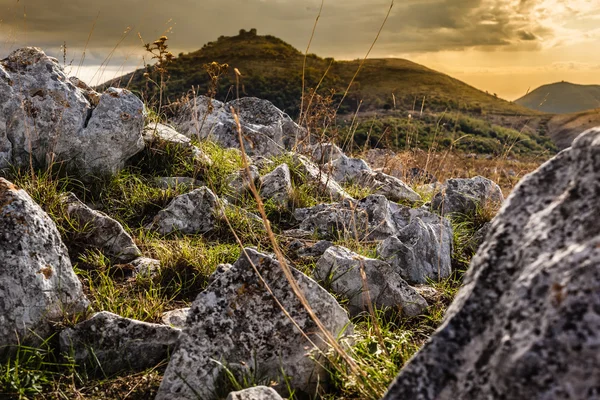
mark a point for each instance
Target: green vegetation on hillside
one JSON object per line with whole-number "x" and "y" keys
{"x": 272, "y": 69}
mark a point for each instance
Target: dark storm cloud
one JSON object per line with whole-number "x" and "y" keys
{"x": 346, "y": 27}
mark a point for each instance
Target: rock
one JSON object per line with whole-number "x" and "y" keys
{"x": 101, "y": 231}
{"x": 145, "y": 267}
{"x": 526, "y": 323}
{"x": 390, "y": 187}
{"x": 255, "y": 393}
{"x": 346, "y": 169}
{"x": 421, "y": 249}
{"x": 176, "y": 318}
{"x": 322, "y": 181}
{"x": 368, "y": 219}
{"x": 314, "y": 251}
{"x": 324, "y": 153}
{"x": 267, "y": 131}
{"x": 37, "y": 283}
{"x": 45, "y": 118}
{"x": 157, "y": 134}
{"x": 277, "y": 185}
{"x": 191, "y": 213}
{"x": 236, "y": 322}
{"x": 238, "y": 183}
{"x": 174, "y": 182}
{"x": 464, "y": 196}
{"x": 107, "y": 343}
{"x": 340, "y": 269}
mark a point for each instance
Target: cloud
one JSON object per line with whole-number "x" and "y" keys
{"x": 345, "y": 30}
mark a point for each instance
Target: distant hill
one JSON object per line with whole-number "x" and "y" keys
{"x": 272, "y": 69}
{"x": 564, "y": 128}
{"x": 562, "y": 98}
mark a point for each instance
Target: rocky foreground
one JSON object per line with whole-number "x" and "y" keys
{"x": 524, "y": 325}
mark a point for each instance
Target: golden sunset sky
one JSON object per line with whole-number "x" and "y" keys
{"x": 503, "y": 46}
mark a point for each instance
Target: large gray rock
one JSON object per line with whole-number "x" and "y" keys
{"x": 107, "y": 343}
{"x": 277, "y": 185}
{"x": 340, "y": 269}
{"x": 267, "y": 131}
{"x": 255, "y": 393}
{"x": 37, "y": 283}
{"x": 45, "y": 118}
{"x": 345, "y": 169}
{"x": 421, "y": 250}
{"x": 464, "y": 196}
{"x": 371, "y": 218}
{"x": 237, "y": 323}
{"x": 526, "y": 324}
{"x": 101, "y": 231}
{"x": 190, "y": 213}
{"x": 389, "y": 186}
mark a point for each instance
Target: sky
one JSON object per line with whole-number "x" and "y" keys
{"x": 503, "y": 46}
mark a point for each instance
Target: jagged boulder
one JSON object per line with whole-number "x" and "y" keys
{"x": 277, "y": 185}
{"x": 464, "y": 196}
{"x": 191, "y": 213}
{"x": 255, "y": 393}
{"x": 267, "y": 131}
{"x": 389, "y": 186}
{"x": 345, "y": 169}
{"x": 101, "y": 231}
{"x": 107, "y": 343}
{"x": 238, "y": 323}
{"x": 526, "y": 323}
{"x": 370, "y": 218}
{"x": 340, "y": 269}
{"x": 45, "y": 118}
{"x": 421, "y": 250}
{"x": 37, "y": 283}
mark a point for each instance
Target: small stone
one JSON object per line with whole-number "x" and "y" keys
{"x": 255, "y": 393}
{"x": 277, "y": 185}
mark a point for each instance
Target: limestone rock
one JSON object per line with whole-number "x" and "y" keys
{"x": 157, "y": 134}
{"x": 422, "y": 247}
{"x": 255, "y": 393}
{"x": 526, "y": 323}
{"x": 340, "y": 269}
{"x": 323, "y": 181}
{"x": 145, "y": 267}
{"x": 239, "y": 183}
{"x": 101, "y": 231}
{"x": 463, "y": 196}
{"x": 176, "y": 318}
{"x": 390, "y": 187}
{"x": 37, "y": 283}
{"x": 277, "y": 185}
{"x": 45, "y": 118}
{"x": 346, "y": 169}
{"x": 107, "y": 343}
{"x": 267, "y": 131}
{"x": 324, "y": 153}
{"x": 191, "y": 213}
{"x": 236, "y": 322}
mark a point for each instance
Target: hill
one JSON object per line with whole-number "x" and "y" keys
{"x": 564, "y": 128}
{"x": 272, "y": 69}
{"x": 562, "y": 98}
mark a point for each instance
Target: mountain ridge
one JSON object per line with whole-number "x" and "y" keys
{"x": 272, "y": 69}
{"x": 562, "y": 98}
